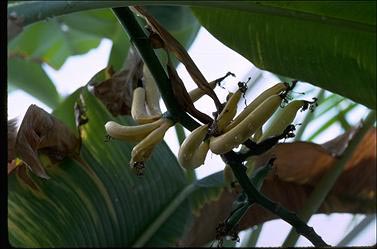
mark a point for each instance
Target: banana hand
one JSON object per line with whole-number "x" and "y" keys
{"x": 240, "y": 133}
{"x": 142, "y": 151}
{"x": 274, "y": 90}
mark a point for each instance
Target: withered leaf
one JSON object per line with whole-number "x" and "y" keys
{"x": 115, "y": 90}
{"x": 12, "y": 134}
{"x": 354, "y": 191}
{"x": 183, "y": 98}
{"x": 14, "y": 26}
{"x": 40, "y": 132}
{"x": 172, "y": 45}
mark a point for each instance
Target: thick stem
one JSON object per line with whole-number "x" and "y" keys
{"x": 141, "y": 42}
{"x": 301, "y": 227}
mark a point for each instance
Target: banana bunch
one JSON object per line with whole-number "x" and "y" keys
{"x": 232, "y": 131}
{"x": 147, "y": 135}
{"x": 145, "y": 110}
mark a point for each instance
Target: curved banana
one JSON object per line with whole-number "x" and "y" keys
{"x": 199, "y": 155}
{"x": 240, "y": 133}
{"x": 197, "y": 93}
{"x": 152, "y": 93}
{"x": 284, "y": 117}
{"x": 229, "y": 111}
{"x": 276, "y": 89}
{"x": 131, "y": 133}
{"x": 192, "y": 145}
{"x": 143, "y": 150}
{"x": 138, "y": 109}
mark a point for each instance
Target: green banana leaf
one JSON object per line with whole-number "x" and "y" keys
{"x": 54, "y": 40}
{"x": 30, "y": 77}
{"x": 98, "y": 201}
{"x": 328, "y": 44}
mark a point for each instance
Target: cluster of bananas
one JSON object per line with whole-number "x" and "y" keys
{"x": 232, "y": 131}
{"x": 152, "y": 126}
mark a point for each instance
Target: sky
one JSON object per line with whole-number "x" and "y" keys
{"x": 214, "y": 60}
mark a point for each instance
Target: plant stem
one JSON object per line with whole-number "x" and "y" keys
{"x": 302, "y": 228}
{"x": 252, "y": 238}
{"x": 327, "y": 181}
{"x": 139, "y": 39}
{"x": 356, "y": 230}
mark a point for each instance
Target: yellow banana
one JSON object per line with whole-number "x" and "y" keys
{"x": 197, "y": 93}
{"x": 152, "y": 93}
{"x": 143, "y": 150}
{"x": 240, "y": 133}
{"x": 193, "y": 144}
{"x": 138, "y": 109}
{"x": 276, "y": 89}
{"x": 131, "y": 133}
{"x": 284, "y": 117}
{"x": 199, "y": 155}
{"x": 229, "y": 111}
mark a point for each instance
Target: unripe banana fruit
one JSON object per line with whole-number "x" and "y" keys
{"x": 193, "y": 150}
{"x": 197, "y": 93}
{"x": 284, "y": 117}
{"x": 274, "y": 90}
{"x": 131, "y": 133}
{"x": 229, "y": 111}
{"x": 152, "y": 93}
{"x": 138, "y": 109}
{"x": 143, "y": 150}
{"x": 240, "y": 133}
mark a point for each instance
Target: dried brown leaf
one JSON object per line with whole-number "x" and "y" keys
{"x": 183, "y": 98}
{"x": 12, "y": 134}
{"x": 40, "y": 132}
{"x": 115, "y": 90}
{"x": 172, "y": 45}
{"x": 14, "y": 26}
{"x": 353, "y": 192}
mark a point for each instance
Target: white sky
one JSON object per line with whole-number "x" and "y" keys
{"x": 214, "y": 60}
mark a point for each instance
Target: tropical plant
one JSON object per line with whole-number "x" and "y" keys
{"x": 70, "y": 186}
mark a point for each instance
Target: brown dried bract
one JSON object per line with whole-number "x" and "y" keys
{"x": 183, "y": 98}
{"x": 115, "y": 90}
{"x": 12, "y": 134}
{"x": 172, "y": 45}
{"x": 40, "y": 132}
{"x": 14, "y": 26}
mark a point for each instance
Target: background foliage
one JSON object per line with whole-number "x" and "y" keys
{"x": 108, "y": 205}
